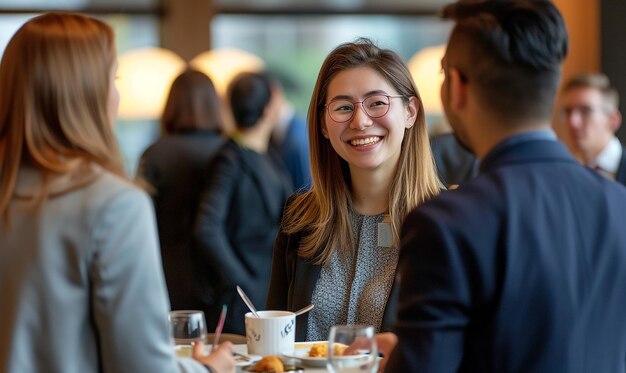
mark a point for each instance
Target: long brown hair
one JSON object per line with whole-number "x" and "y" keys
{"x": 54, "y": 89}
{"x": 192, "y": 104}
{"x": 323, "y": 212}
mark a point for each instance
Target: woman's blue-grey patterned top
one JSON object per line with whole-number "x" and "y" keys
{"x": 353, "y": 288}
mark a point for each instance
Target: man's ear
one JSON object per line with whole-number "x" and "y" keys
{"x": 457, "y": 89}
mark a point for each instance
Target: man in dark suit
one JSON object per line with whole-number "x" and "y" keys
{"x": 588, "y": 119}
{"x": 523, "y": 268}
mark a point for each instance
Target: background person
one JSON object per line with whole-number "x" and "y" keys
{"x": 455, "y": 164}
{"x": 174, "y": 167}
{"x": 289, "y": 139}
{"x": 242, "y": 202}
{"x": 80, "y": 273}
{"x": 523, "y": 268}
{"x": 371, "y": 163}
{"x": 588, "y": 119}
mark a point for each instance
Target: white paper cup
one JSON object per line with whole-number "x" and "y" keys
{"x": 272, "y": 333}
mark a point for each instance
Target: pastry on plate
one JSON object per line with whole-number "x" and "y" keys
{"x": 321, "y": 349}
{"x": 270, "y": 363}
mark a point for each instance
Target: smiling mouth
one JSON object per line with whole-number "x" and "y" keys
{"x": 366, "y": 141}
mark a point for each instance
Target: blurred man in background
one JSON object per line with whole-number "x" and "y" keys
{"x": 588, "y": 119}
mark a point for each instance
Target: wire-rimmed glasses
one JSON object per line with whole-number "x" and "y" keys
{"x": 374, "y": 106}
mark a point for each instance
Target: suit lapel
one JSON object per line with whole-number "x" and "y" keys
{"x": 306, "y": 276}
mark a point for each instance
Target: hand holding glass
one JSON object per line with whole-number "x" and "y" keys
{"x": 187, "y": 327}
{"x": 360, "y": 356}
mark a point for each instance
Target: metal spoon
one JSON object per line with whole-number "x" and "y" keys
{"x": 247, "y": 301}
{"x": 304, "y": 309}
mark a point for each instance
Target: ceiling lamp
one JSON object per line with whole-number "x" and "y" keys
{"x": 144, "y": 80}
{"x": 223, "y": 64}
{"x": 425, "y": 66}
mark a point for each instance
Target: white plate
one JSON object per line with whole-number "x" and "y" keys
{"x": 301, "y": 352}
{"x": 241, "y": 363}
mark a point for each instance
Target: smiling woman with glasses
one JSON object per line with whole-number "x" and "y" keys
{"x": 370, "y": 165}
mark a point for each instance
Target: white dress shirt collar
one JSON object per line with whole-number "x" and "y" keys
{"x": 609, "y": 158}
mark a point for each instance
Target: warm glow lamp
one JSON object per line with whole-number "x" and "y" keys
{"x": 425, "y": 66}
{"x": 144, "y": 80}
{"x": 223, "y": 64}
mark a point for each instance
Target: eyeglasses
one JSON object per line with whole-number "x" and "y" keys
{"x": 584, "y": 111}
{"x": 375, "y": 106}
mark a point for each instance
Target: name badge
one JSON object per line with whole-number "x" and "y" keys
{"x": 385, "y": 238}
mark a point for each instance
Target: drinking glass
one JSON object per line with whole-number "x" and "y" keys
{"x": 187, "y": 327}
{"x": 362, "y": 353}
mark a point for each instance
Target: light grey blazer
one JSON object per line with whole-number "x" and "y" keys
{"x": 81, "y": 282}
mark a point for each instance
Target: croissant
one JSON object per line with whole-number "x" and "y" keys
{"x": 270, "y": 363}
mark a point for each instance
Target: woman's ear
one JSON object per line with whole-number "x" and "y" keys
{"x": 324, "y": 132}
{"x": 412, "y": 109}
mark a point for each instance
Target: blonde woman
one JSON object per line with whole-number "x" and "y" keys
{"x": 371, "y": 164}
{"x": 80, "y": 274}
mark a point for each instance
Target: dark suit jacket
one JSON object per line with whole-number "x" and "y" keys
{"x": 175, "y": 166}
{"x": 293, "y": 281}
{"x": 522, "y": 269}
{"x": 237, "y": 223}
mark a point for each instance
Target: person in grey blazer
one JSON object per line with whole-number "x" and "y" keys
{"x": 80, "y": 273}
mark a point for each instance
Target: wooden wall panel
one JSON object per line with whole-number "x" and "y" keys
{"x": 582, "y": 18}
{"x": 186, "y": 27}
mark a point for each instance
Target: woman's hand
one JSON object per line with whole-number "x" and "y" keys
{"x": 220, "y": 360}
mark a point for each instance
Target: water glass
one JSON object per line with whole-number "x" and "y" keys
{"x": 187, "y": 327}
{"x": 361, "y": 354}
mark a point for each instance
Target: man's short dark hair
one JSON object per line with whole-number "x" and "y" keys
{"x": 249, "y": 95}
{"x": 512, "y": 51}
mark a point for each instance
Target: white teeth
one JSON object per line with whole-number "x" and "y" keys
{"x": 365, "y": 141}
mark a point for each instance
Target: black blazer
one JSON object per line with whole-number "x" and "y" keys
{"x": 522, "y": 269}
{"x": 293, "y": 281}
{"x": 174, "y": 167}
{"x": 454, "y": 163}
{"x": 237, "y": 223}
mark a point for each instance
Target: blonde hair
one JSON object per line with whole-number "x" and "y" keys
{"x": 322, "y": 214}
{"x": 54, "y": 89}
